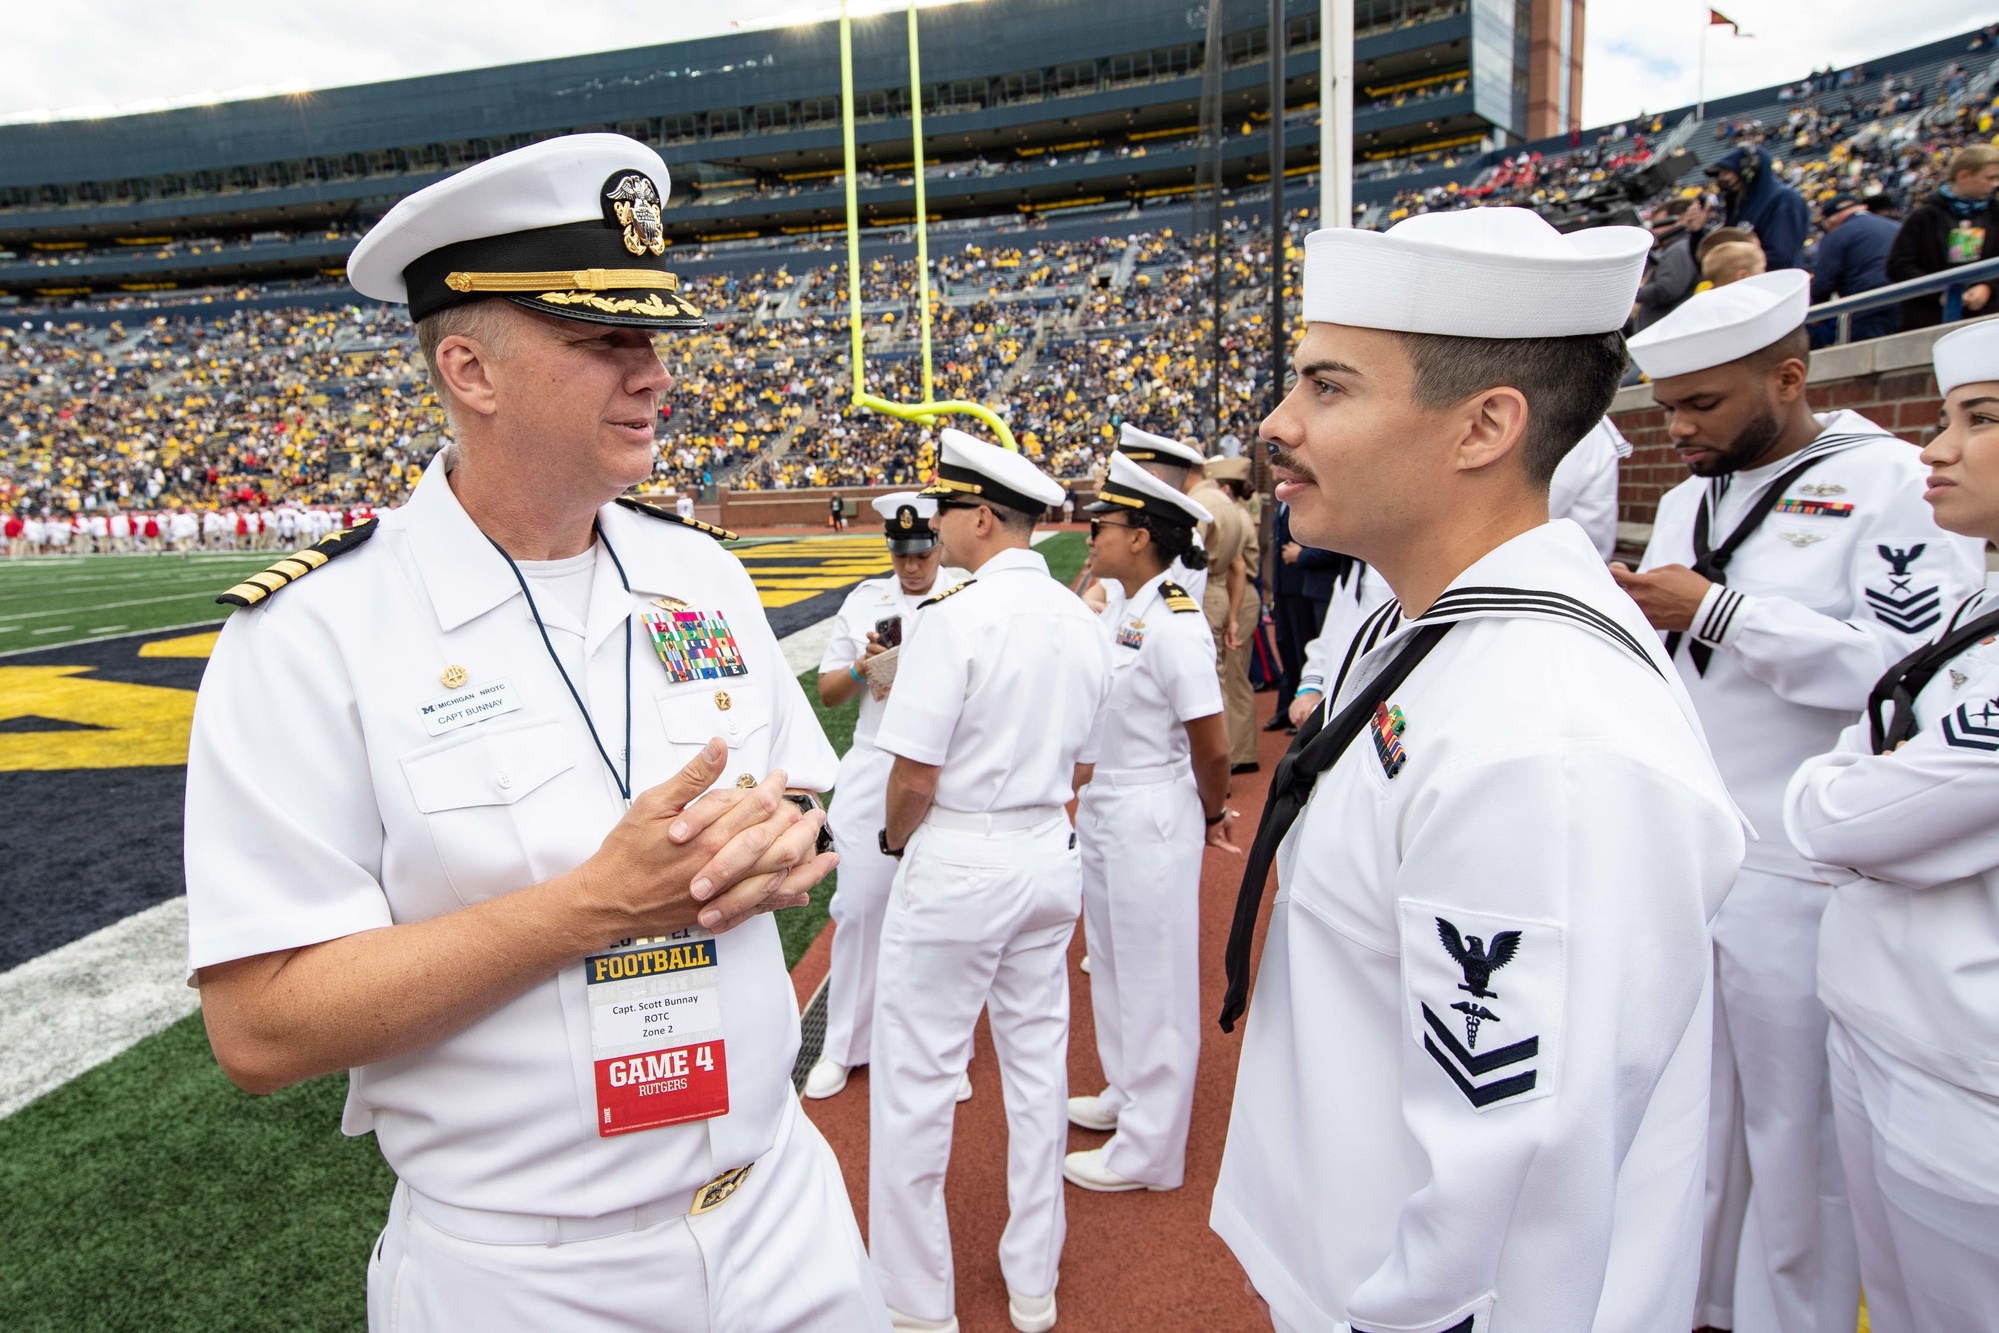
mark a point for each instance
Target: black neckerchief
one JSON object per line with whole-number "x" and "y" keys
{"x": 1317, "y": 747}
{"x": 1897, "y": 690}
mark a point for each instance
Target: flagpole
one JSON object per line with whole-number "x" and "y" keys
{"x": 1700, "y": 87}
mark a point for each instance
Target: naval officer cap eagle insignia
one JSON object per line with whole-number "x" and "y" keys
{"x": 571, "y": 227}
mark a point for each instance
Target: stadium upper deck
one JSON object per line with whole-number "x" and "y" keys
{"x": 1029, "y": 106}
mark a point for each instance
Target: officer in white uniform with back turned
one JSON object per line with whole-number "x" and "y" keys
{"x": 1163, "y": 775}
{"x": 1796, "y": 565}
{"x": 1899, "y": 819}
{"x": 489, "y": 809}
{"x": 873, "y": 607}
{"x": 1472, "y": 1095}
{"x": 995, "y": 720}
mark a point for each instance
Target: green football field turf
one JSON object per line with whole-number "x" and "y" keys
{"x": 150, "y": 1194}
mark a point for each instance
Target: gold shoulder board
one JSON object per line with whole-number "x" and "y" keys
{"x": 1177, "y": 598}
{"x": 956, "y": 587}
{"x": 667, "y": 515}
{"x": 297, "y": 565}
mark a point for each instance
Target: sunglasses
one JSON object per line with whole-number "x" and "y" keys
{"x": 1097, "y": 525}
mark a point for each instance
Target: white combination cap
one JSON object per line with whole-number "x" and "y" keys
{"x": 1724, "y": 324}
{"x": 969, "y": 468}
{"x": 1967, "y": 355}
{"x": 1142, "y": 446}
{"x": 569, "y": 227}
{"x": 1475, "y": 273}
{"x": 906, "y": 521}
{"x": 1129, "y": 486}
{"x": 890, "y": 506}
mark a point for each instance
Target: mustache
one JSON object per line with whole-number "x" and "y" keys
{"x": 1287, "y": 458}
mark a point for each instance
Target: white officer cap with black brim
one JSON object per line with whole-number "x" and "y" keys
{"x": 1475, "y": 273}
{"x": 1967, "y": 356}
{"x": 1128, "y": 486}
{"x": 1724, "y": 324}
{"x": 1142, "y": 446}
{"x": 970, "y": 471}
{"x": 906, "y": 521}
{"x": 569, "y": 227}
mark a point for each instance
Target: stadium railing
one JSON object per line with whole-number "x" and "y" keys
{"x": 1951, "y": 283}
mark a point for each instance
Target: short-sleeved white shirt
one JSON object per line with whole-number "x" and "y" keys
{"x": 1162, "y": 677}
{"x": 320, "y": 804}
{"x": 1003, "y": 683}
{"x": 872, "y": 601}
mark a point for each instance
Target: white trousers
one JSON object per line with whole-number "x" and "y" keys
{"x": 1141, "y": 849}
{"x": 1929, "y": 1243}
{"x": 977, "y": 918}
{"x": 782, "y": 1255}
{"x": 1779, "y": 1235}
{"x": 860, "y": 901}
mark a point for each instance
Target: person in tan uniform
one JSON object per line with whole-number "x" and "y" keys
{"x": 1230, "y": 604}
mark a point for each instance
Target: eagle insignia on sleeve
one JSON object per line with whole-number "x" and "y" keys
{"x": 1901, "y": 606}
{"x": 1476, "y": 960}
{"x": 1177, "y": 599}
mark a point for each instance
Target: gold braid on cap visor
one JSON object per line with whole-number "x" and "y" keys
{"x": 1117, "y": 499}
{"x": 589, "y": 279}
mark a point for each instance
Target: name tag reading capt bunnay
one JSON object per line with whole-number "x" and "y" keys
{"x": 656, "y": 1034}
{"x": 466, "y": 705}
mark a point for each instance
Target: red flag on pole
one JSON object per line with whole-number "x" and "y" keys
{"x": 1716, "y": 18}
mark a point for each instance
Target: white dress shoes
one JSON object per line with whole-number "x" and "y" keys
{"x": 1087, "y": 1170}
{"x": 1089, "y": 1113}
{"x": 1031, "y": 1314}
{"x": 825, "y": 1079}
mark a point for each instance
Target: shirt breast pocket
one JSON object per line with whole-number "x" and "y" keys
{"x": 737, "y": 712}
{"x": 479, "y": 792}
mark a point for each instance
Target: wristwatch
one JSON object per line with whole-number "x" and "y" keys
{"x": 807, "y": 803}
{"x": 881, "y": 840}
{"x": 1216, "y": 818}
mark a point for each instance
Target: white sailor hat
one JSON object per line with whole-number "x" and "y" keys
{"x": 1129, "y": 486}
{"x": 970, "y": 469}
{"x": 1967, "y": 355}
{"x": 1142, "y": 446}
{"x": 1724, "y": 324}
{"x": 906, "y": 521}
{"x": 568, "y": 227}
{"x": 1475, "y": 273}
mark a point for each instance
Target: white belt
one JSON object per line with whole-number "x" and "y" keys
{"x": 491, "y": 1228}
{"x": 1140, "y": 777}
{"x": 993, "y": 821}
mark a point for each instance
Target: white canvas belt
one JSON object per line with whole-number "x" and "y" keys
{"x": 1140, "y": 777}
{"x": 993, "y": 821}
{"x": 494, "y": 1228}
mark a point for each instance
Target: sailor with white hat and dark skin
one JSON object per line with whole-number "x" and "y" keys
{"x": 1899, "y": 819}
{"x": 1472, "y": 1093}
{"x": 1796, "y": 565}
{"x": 995, "y": 722}
{"x": 875, "y": 607}
{"x": 1163, "y": 774}
{"x": 489, "y": 811}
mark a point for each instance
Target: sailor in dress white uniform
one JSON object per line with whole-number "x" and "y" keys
{"x": 1472, "y": 1092}
{"x": 1804, "y": 562}
{"x": 857, "y": 816}
{"x": 1162, "y": 774}
{"x": 443, "y": 827}
{"x": 1899, "y": 819}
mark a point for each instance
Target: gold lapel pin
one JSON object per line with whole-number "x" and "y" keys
{"x": 722, "y": 700}
{"x": 669, "y": 603}
{"x": 453, "y": 676}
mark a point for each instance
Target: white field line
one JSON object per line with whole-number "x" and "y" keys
{"x": 77, "y": 1006}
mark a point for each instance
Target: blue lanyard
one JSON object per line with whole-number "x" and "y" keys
{"x": 624, "y": 780}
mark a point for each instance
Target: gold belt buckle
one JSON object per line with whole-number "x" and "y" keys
{"x": 717, "y": 1191}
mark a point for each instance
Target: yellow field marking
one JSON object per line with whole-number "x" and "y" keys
{"x": 187, "y": 645}
{"x": 142, "y": 724}
{"x": 773, "y": 600}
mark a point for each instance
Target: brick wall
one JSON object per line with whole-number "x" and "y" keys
{"x": 1887, "y": 380}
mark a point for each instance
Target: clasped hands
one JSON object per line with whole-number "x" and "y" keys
{"x": 688, "y": 853}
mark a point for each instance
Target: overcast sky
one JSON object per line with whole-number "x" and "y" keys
{"x": 68, "y": 54}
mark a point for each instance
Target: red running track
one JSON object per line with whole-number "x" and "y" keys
{"x": 1137, "y": 1261}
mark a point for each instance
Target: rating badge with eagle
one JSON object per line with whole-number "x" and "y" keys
{"x": 1485, "y": 1000}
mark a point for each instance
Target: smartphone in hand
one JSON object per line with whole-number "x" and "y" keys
{"x": 888, "y": 631}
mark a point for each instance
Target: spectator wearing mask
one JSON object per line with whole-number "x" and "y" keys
{"x": 1853, "y": 258}
{"x": 1676, "y": 271}
{"x": 1956, "y": 225}
{"x": 1755, "y": 198}
{"x": 1732, "y": 262}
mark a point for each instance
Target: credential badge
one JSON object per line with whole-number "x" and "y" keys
{"x": 631, "y": 201}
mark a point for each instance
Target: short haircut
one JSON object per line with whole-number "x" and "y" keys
{"x": 484, "y": 321}
{"x": 1014, "y": 520}
{"x": 1971, "y": 157}
{"x": 1793, "y": 346}
{"x": 1722, "y": 236}
{"x": 1568, "y": 383}
{"x": 1736, "y": 259}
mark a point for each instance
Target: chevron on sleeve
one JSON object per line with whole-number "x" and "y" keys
{"x": 1967, "y": 729}
{"x": 1910, "y": 612}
